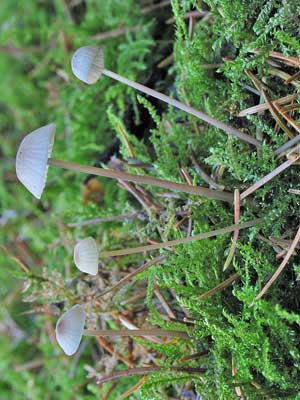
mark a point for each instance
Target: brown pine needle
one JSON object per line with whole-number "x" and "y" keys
{"x": 128, "y": 372}
{"x": 186, "y": 175}
{"x": 291, "y": 107}
{"x": 286, "y": 117}
{"x": 276, "y": 115}
{"x": 128, "y": 324}
{"x": 294, "y": 77}
{"x": 194, "y": 356}
{"x": 134, "y": 388}
{"x": 166, "y": 61}
{"x": 114, "y": 33}
{"x": 16, "y": 259}
{"x": 265, "y": 106}
{"x": 126, "y": 141}
{"x": 164, "y": 303}
{"x": 190, "y": 14}
{"x": 220, "y": 287}
{"x": 262, "y": 89}
{"x": 199, "y": 236}
{"x": 237, "y": 208}
{"x": 211, "y": 182}
{"x": 147, "y": 370}
{"x": 268, "y": 177}
{"x": 238, "y": 389}
{"x": 283, "y": 75}
{"x": 108, "y": 347}
{"x": 128, "y": 277}
{"x": 287, "y": 145}
{"x": 290, "y": 61}
{"x": 155, "y": 7}
{"x": 281, "y": 266}
{"x": 110, "y": 218}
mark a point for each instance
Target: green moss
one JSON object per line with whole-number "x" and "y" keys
{"x": 37, "y": 87}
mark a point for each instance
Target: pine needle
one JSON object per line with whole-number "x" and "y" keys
{"x": 281, "y": 266}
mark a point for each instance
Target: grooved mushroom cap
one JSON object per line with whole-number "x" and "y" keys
{"x": 69, "y": 329}
{"x": 86, "y": 256}
{"x": 32, "y": 159}
{"x": 88, "y": 63}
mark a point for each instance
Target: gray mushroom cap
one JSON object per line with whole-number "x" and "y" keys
{"x": 86, "y": 256}
{"x": 88, "y": 63}
{"x": 69, "y": 329}
{"x": 32, "y": 159}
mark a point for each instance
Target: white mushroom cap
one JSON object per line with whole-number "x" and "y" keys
{"x": 88, "y": 63}
{"x": 32, "y": 159}
{"x": 69, "y": 329}
{"x": 86, "y": 256}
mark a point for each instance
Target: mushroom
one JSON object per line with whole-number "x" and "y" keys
{"x": 33, "y": 159}
{"x": 86, "y": 256}
{"x": 70, "y": 329}
{"x": 86, "y": 253}
{"x": 88, "y": 65}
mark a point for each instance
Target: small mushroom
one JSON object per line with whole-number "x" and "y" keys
{"x": 33, "y": 158}
{"x": 90, "y": 251}
{"x": 88, "y": 65}
{"x": 70, "y": 329}
{"x": 86, "y": 256}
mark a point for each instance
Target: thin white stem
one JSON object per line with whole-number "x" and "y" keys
{"x": 146, "y": 180}
{"x": 190, "y": 110}
{"x": 176, "y": 242}
{"x": 135, "y": 332}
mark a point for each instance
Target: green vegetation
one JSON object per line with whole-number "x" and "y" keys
{"x": 260, "y": 338}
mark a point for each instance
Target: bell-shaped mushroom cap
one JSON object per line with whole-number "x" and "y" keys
{"x": 86, "y": 256}
{"x": 69, "y": 329}
{"x": 88, "y": 63}
{"x": 32, "y": 159}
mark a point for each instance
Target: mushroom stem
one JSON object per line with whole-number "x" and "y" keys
{"x": 146, "y": 180}
{"x": 175, "y": 242}
{"x": 135, "y": 332}
{"x": 175, "y": 103}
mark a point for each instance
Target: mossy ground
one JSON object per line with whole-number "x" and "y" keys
{"x": 207, "y": 71}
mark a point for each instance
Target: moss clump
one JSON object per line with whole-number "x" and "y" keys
{"x": 261, "y": 338}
